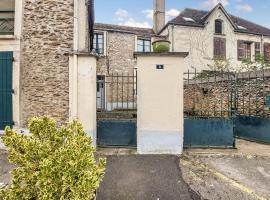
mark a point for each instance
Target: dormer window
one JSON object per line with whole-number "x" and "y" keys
{"x": 218, "y": 26}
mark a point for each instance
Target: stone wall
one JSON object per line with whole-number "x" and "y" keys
{"x": 220, "y": 96}
{"x": 47, "y": 38}
{"x": 119, "y": 58}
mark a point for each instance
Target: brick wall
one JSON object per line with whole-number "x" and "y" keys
{"x": 47, "y": 37}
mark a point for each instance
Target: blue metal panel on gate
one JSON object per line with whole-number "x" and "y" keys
{"x": 116, "y": 133}
{"x": 253, "y": 128}
{"x": 6, "y": 61}
{"x": 210, "y": 132}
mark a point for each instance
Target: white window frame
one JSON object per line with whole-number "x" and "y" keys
{"x": 105, "y": 41}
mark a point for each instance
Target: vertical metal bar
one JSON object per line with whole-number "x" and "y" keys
{"x": 127, "y": 91}
{"x": 256, "y": 99}
{"x": 229, "y": 88}
{"x": 215, "y": 103}
{"x": 263, "y": 93}
{"x": 249, "y": 94}
{"x": 117, "y": 93}
{"x": 133, "y": 93}
{"x": 243, "y": 94}
{"x": 112, "y": 84}
{"x": 105, "y": 91}
{"x": 221, "y": 96}
{"x": 122, "y": 90}
{"x": 208, "y": 95}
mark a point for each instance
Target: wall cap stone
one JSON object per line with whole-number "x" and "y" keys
{"x": 83, "y": 53}
{"x": 167, "y": 54}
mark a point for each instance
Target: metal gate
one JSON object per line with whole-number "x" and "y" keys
{"x": 117, "y": 110}
{"x": 253, "y": 106}
{"x": 209, "y": 106}
{"x": 6, "y": 61}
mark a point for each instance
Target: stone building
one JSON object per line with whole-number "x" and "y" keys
{"x": 206, "y": 35}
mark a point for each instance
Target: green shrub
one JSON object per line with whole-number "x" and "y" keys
{"x": 52, "y": 163}
{"x": 161, "y": 47}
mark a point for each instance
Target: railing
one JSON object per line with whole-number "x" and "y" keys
{"x": 117, "y": 92}
{"x": 6, "y": 22}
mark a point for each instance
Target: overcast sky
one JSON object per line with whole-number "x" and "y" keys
{"x": 139, "y": 12}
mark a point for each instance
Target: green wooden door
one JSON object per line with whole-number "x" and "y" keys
{"x": 6, "y": 61}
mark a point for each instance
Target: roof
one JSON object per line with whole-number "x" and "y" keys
{"x": 124, "y": 29}
{"x": 200, "y": 16}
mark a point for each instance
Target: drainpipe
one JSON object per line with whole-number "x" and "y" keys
{"x": 75, "y": 63}
{"x": 262, "y": 49}
{"x": 173, "y": 38}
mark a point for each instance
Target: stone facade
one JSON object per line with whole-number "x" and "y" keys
{"x": 119, "y": 55}
{"x": 219, "y": 96}
{"x": 199, "y": 42}
{"x": 47, "y": 38}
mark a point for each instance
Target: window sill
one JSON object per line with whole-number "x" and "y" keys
{"x": 219, "y": 34}
{"x": 7, "y": 37}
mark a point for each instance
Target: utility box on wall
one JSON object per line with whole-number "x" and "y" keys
{"x": 160, "y": 117}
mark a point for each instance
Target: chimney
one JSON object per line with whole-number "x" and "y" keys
{"x": 159, "y": 15}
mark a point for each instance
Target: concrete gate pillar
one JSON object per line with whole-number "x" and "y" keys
{"x": 83, "y": 91}
{"x": 160, "y": 123}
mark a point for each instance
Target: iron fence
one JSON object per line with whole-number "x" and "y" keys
{"x": 226, "y": 94}
{"x": 117, "y": 92}
{"x": 209, "y": 94}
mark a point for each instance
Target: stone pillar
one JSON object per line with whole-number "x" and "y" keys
{"x": 84, "y": 107}
{"x": 160, "y": 124}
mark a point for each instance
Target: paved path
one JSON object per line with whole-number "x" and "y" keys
{"x": 136, "y": 177}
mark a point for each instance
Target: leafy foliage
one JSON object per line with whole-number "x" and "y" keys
{"x": 52, "y": 163}
{"x": 260, "y": 63}
{"x": 161, "y": 47}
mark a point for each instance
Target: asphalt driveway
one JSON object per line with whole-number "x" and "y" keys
{"x": 137, "y": 177}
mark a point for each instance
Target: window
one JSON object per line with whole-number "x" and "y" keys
{"x": 267, "y": 51}
{"x": 257, "y": 51}
{"x": 7, "y": 17}
{"x": 244, "y": 49}
{"x": 219, "y": 48}
{"x": 144, "y": 45}
{"x": 218, "y": 26}
{"x": 188, "y": 19}
{"x": 99, "y": 43}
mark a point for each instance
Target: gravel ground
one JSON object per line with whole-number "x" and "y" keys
{"x": 241, "y": 174}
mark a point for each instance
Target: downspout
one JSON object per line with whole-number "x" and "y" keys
{"x": 262, "y": 46}
{"x": 75, "y": 63}
{"x": 173, "y": 38}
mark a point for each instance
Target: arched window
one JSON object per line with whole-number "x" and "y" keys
{"x": 218, "y": 26}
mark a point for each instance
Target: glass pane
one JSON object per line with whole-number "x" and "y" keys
{"x": 140, "y": 42}
{"x": 140, "y": 48}
{"x": 100, "y": 36}
{"x": 147, "y": 49}
{"x": 147, "y": 43}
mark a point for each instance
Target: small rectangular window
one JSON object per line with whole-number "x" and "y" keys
{"x": 267, "y": 51}
{"x": 257, "y": 51}
{"x": 219, "y": 48}
{"x": 144, "y": 45}
{"x": 244, "y": 50}
{"x": 99, "y": 43}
